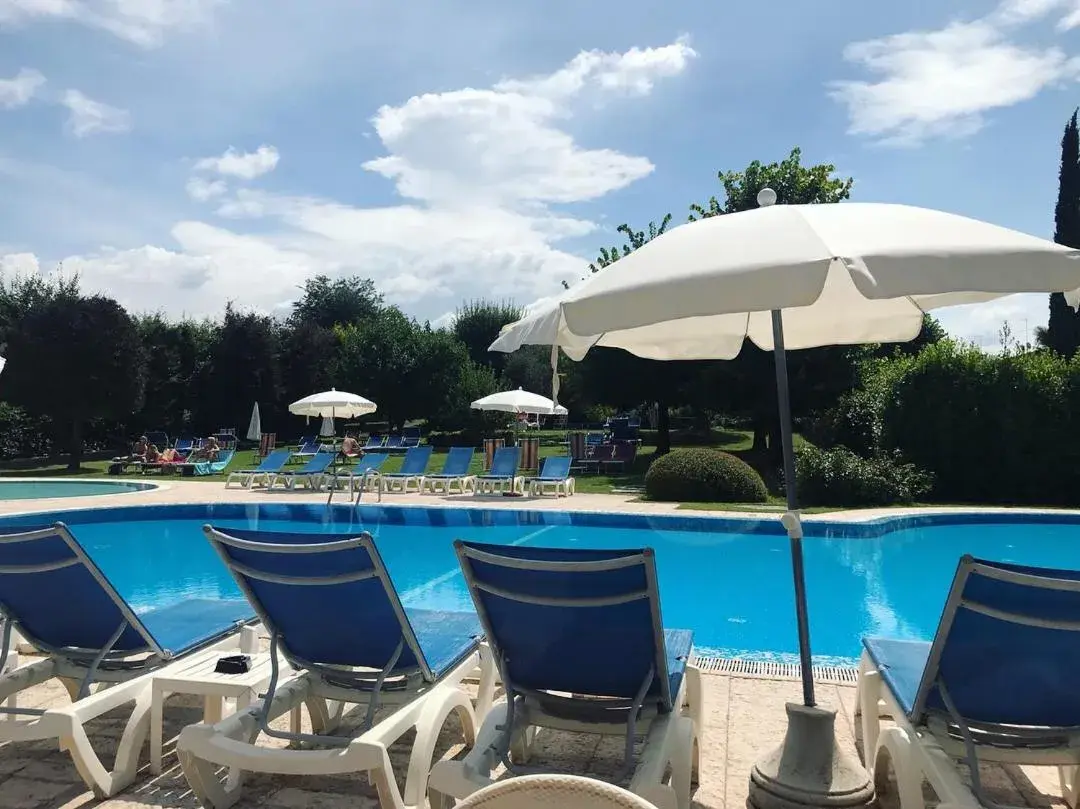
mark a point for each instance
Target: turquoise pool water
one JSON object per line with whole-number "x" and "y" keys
{"x": 728, "y": 580}
{"x": 42, "y": 489}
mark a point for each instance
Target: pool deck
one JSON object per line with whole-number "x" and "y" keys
{"x": 744, "y": 714}
{"x": 744, "y": 720}
{"x": 173, "y": 491}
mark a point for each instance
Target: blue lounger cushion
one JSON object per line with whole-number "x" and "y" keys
{"x": 191, "y": 623}
{"x": 345, "y": 620}
{"x": 901, "y": 663}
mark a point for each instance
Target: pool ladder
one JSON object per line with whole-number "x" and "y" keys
{"x": 368, "y": 474}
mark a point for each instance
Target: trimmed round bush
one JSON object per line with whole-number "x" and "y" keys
{"x": 702, "y": 475}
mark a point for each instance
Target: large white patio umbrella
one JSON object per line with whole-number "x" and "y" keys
{"x": 519, "y": 401}
{"x": 796, "y": 276}
{"x": 334, "y": 403}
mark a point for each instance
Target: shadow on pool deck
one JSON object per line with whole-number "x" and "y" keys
{"x": 744, "y": 719}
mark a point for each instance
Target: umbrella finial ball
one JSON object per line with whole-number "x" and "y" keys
{"x": 766, "y": 197}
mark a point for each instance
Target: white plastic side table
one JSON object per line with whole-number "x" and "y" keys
{"x": 196, "y": 676}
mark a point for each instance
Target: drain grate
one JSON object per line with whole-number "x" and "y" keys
{"x": 839, "y": 675}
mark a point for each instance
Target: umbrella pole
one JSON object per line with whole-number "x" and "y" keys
{"x": 791, "y": 519}
{"x": 808, "y": 769}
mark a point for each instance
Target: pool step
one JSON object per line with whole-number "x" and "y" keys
{"x": 838, "y": 675}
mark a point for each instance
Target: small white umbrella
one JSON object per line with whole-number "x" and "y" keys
{"x": 519, "y": 401}
{"x": 254, "y": 430}
{"x": 3, "y": 362}
{"x": 799, "y": 276}
{"x": 337, "y": 404}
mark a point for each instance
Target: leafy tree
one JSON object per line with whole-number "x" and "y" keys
{"x": 243, "y": 368}
{"x": 634, "y": 240}
{"x": 21, "y": 293}
{"x": 76, "y": 359}
{"x": 749, "y": 380}
{"x": 375, "y": 359}
{"x": 477, "y": 324}
{"x": 1062, "y": 333}
{"x": 620, "y": 378}
{"x": 308, "y": 354}
{"x": 328, "y": 303}
{"x": 176, "y": 356}
{"x": 794, "y": 184}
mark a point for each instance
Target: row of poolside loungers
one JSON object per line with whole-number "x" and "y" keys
{"x": 996, "y": 684}
{"x": 320, "y": 474}
{"x": 340, "y": 635}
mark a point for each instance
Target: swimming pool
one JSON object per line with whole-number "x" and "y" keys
{"x": 43, "y": 489}
{"x": 728, "y": 580}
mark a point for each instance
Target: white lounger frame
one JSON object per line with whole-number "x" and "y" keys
{"x": 671, "y": 741}
{"x": 931, "y": 751}
{"x": 672, "y": 738}
{"x": 67, "y": 724}
{"x": 422, "y": 704}
{"x": 97, "y": 681}
{"x": 447, "y": 485}
{"x": 563, "y": 487}
{"x": 483, "y": 484}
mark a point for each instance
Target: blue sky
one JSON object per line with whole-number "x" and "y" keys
{"x": 182, "y": 153}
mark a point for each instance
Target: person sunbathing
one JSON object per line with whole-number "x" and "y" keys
{"x": 170, "y": 455}
{"x": 152, "y": 454}
{"x": 207, "y": 452}
{"x": 350, "y": 447}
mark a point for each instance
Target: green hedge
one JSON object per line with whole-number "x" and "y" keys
{"x": 990, "y": 428}
{"x": 698, "y": 475}
{"x": 839, "y": 477}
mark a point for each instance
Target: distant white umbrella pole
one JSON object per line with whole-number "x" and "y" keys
{"x": 254, "y": 430}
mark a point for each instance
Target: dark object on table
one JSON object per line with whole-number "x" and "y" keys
{"x": 234, "y": 664}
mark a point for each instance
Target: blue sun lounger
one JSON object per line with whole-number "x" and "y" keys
{"x": 578, "y": 641}
{"x": 554, "y": 475}
{"x": 263, "y": 473}
{"x": 358, "y": 475}
{"x": 60, "y": 602}
{"x": 454, "y": 474}
{"x": 503, "y": 473}
{"x": 313, "y": 474}
{"x": 333, "y": 613}
{"x": 997, "y": 684}
{"x": 203, "y": 468}
{"x": 411, "y": 473}
{"x": 375, "y": 441}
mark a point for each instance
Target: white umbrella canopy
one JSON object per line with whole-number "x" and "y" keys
{"x": 333, "y": 403}
{"x": 519, "y": 401}
{"x": 843, "y": 274}
{"x": 798, "y": 276}
{"x": 254, "y": 430}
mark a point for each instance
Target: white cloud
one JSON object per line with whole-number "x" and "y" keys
{"x": 17, "y": 91}
{"x": 89, "y": 117}
{"x": 245, "y": 165}
{"x": 941, "y": 83}
{"x": 634, "y": 71}
{"x": 142, "y": 22}
{"x": 201, "y": 189}
{"x": 482, "y": 173}
{"x": 982, "y": 323}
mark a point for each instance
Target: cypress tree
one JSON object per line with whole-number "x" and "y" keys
{"x": 1063, "y": 330}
